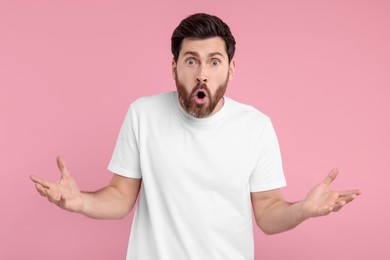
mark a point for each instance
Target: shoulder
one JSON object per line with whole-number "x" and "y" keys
{"x": 153, "y": 103}
{"x": 247, "y": 114}
{"x": 157, "y": 99}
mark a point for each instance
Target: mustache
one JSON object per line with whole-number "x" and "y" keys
{"x": 199, "y": 86}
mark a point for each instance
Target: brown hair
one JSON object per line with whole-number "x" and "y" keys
{"x": 202, "y": 26}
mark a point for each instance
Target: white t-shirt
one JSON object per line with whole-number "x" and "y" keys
{"x": 197, "y": 176}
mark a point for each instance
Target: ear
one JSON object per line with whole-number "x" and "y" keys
{"x": 232, "y": 68}
{"x": 174, "y": 69}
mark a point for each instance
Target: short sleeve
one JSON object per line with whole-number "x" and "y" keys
{"x": 125, "y": 159}
{"x": 268, "y": 173}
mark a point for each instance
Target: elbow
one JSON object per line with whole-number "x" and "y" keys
{"x": 272, "y": 228}
{"x": 126, "y": 210}
{"x": 122, "y": 215}
{"x": 266, "y": 229}
{"x": 123, "y": 209}
{"x": 269, "y": 233}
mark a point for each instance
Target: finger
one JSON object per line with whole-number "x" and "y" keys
{"x": 346, "y": 199}
{"x": 349, "y": 193}
{"x": 62, "y": 167}
{"x": 331, "y": 177}
{"x": 42, "y": 182}
{"x": 40, "y": 189}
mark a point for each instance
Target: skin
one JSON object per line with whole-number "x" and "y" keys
{"x": 114, "y": 201}
{"x": 274, "y": 215}
{"x": 199, "y": 61}
{"x": 202, "y": 62}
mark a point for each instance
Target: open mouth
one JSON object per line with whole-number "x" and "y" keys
{"x": 200, "y": 96}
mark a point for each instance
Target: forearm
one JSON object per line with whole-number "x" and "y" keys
{"x": 106, "y": 203}
{"x": 274, "y": 215}
{"x": 280, "y": 217}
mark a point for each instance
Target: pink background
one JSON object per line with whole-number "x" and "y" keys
{"x": 69, "y": 69}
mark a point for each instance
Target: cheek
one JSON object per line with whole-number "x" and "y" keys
{"x": 185, "y": 76}
{"x": 221, "y": 78}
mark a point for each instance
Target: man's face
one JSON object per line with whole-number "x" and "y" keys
{"x": 202, "y": 72}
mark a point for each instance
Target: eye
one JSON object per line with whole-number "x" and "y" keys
{"x": 215, "y": 62}
{"x": 191, "y": 62}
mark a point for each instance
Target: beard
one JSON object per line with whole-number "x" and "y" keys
{"x": 196, "y": 109}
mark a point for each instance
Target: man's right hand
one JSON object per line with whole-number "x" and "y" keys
{"x": 65, "y": 193}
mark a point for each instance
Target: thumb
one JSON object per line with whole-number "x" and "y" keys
{"x": 331, "y": 176}
{"x": 62, "y": 167}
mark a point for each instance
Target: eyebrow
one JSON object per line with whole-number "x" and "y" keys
{"x": 212, "y": 54}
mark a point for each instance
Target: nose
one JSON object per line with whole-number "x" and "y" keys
{"x": 201, "y": 77}
{"x": 201, "y": 80}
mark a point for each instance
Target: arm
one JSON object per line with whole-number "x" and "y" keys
{"x": 274, "y": 215}
{"x": 113, "y": 201}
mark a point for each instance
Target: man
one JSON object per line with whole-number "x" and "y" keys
{"x": 205, "y": 162}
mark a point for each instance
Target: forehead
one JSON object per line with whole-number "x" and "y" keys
{"x": 203, "y": 47}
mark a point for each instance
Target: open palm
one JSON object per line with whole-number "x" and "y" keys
{"x": 65, "y": 193}
{"x": 320, "y": 201}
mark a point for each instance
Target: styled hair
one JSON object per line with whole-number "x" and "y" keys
{"x": 202, "y": 26}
